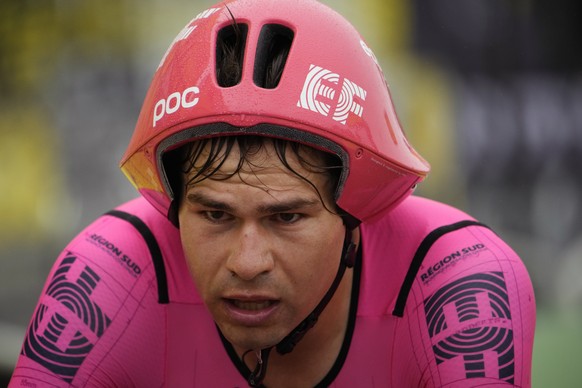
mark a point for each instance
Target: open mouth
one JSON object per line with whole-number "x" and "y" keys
{"x": 251, "y": 305}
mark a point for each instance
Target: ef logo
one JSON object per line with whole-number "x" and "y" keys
{"x": 329, "y": 94}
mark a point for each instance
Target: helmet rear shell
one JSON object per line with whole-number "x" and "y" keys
{"x": 332, "y": 95}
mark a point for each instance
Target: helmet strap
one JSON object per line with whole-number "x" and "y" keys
{"x": 256, "y": 377}
{"x": 288, "y": 343}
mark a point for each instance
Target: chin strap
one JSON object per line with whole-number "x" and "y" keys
{"x": 256, "y": 377}
{"x": 288, "y": 343}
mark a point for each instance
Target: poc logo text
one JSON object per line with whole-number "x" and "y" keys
{"x": 186, "y": 99}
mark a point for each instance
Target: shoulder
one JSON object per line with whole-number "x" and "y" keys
{"x": 112, "y": 244}
{"x": 465, "y": 300}
{"x": 99, "y": 306}
{"x": 448, "y": 244}
{"x": 395, "y": 246}
{"x": 418, "y": 212}
{"x": 411, "y": 222}
{"x": 122, "y": 241}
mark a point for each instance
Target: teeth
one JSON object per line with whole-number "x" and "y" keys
{"x": 252, "y": 306}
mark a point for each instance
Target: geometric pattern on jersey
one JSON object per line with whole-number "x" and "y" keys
{"x": 60, "y": 340}
{"x": 470, "y": 318}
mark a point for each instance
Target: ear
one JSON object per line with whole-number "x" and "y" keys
{"x": 350, "y": 252}
{"x": 356, "y": 236}
{"x": 173, "y": 213}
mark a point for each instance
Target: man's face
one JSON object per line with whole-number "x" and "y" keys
{"x": 261, "y": 246}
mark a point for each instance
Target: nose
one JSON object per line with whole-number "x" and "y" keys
{"x": 251, "y": 255}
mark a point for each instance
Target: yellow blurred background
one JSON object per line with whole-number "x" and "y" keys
{"x": 489, "y": 91}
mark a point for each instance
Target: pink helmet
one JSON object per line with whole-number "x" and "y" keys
{"x": 331, "y": 95}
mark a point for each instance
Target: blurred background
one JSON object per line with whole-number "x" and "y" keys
{"x": 489, "y": 91}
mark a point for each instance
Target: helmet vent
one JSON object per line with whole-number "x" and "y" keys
{"x": 272, "y": 51}
{"x": 230, "y": 54}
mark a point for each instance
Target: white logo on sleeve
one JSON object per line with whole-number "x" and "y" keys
{"x": 329, "y": 94}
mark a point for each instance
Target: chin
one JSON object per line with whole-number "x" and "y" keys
{"x": 251, "y": 340}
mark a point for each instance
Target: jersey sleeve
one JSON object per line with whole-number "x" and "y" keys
{"x": 97, "y": 321}
{"x": 470, "y": 313}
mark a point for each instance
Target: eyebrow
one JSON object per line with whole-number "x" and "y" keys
{"x": 288, "y": 206}
{"x": 208, "y": 202}
{"x": 278, "y": 207}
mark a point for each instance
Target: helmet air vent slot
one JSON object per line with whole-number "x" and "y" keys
{"x": 230, "y": 48}
{"x": 272, "y": 51}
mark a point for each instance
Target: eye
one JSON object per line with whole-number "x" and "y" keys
{"x": 287, "y": 218}
{"x": 216, "y": 215}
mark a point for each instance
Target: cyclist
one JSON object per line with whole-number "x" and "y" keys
{"x": 276, "y": 241}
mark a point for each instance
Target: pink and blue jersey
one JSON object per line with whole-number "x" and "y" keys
{"x": 439, "y": 300}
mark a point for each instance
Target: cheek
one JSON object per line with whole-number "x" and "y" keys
{"x": 200, "y": 267}
{"x": 320, "y": 258}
